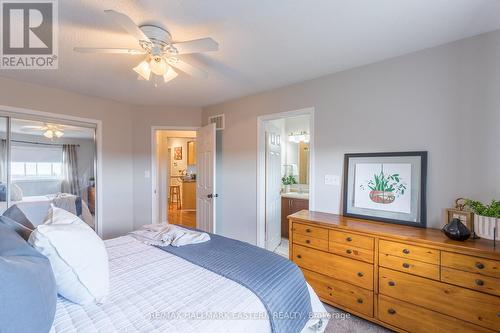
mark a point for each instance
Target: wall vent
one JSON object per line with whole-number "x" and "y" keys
{"x": 219, "y": 121}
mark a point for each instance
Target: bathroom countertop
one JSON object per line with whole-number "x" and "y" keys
{"x": 295, "y": 195}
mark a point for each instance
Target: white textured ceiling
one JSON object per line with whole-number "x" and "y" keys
{"x": 263, "y": 44}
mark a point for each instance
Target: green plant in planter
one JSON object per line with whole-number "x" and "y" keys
{"x": 387, "y": 183}
{"x": 478, "y": 208}
{"x": 288, "y": 180}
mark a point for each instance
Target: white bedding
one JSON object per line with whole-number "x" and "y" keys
{"x": 155, "y": 291}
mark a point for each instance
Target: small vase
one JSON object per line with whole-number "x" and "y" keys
{"x": 456, "y": 230}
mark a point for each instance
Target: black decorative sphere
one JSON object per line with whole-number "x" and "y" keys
{"x": 456, "y": 230}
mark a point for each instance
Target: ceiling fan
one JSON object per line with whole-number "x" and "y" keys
{"x": 50, "y": 131}
{"x": 162, "y": 54}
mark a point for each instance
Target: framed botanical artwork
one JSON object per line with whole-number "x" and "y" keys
{"x": 178, "y": 153}
{"x": 387, "y": 187}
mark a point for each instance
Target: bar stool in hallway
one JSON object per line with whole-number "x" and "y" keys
{"x": 175, "y": 191}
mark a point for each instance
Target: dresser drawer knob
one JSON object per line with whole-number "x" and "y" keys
{"x": 406, "y": 265}
{"x": 479, "y": 265}
{"x": 308, "y": 241}
{"x": 349, "y": 239}
{"x": 391, "y": 311}
{"x": 348, "y": 251}
{"x": 391, "y": 283}
{"x": 329, "y": 288}
{"x": 359, "y": 300}
{"x": 360, "y": 274}
{"x": 299, "y": 256}
{"x": 406, "y": 251}
{"x": 480, "y": 282}
{"x": 308, "y": 230}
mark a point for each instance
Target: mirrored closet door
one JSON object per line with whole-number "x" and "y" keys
{"x": 50, "y": 162}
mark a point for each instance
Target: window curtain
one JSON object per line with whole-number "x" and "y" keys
{"x": 70, "y": 183}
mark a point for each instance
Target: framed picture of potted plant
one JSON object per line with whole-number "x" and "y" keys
{"x": 387, "y": 187}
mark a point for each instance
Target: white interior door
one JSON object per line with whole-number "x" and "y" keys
{"x": 205, "y": 179}
{"x": 273, "y": 187}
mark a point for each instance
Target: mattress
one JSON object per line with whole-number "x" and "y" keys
{"x": 156, "y": 291}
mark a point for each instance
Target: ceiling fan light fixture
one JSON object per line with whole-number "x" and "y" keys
{"x": 48, "y": 134}
{"x": 158, "y": 66}
{"x": 143, "y": 69}
{"x": 169, "y": 75}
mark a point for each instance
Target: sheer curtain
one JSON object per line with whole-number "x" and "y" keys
{"x": 71, "y": 183}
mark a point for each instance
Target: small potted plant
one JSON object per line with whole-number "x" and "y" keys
{"x": 287, "y": 181}
{"x": 486, "y": 218}
{"x": 384, "y": 188}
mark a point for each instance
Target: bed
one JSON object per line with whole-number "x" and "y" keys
{"x": 156, "y": 291}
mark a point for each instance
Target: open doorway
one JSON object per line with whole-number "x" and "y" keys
{"x": 176, "y": 177}
{"x": 285, "y": 157}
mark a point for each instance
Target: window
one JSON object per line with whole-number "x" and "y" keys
{"x": 36, "y": 162}
{"x": 30, "y": 170}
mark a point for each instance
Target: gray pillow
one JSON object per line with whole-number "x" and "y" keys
{"x": 28, "y": 291}
{"x": 16, "y": 214}
{"x": 17, "y": 227}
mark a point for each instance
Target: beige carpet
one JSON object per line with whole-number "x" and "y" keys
{"x": 342, "y": 322}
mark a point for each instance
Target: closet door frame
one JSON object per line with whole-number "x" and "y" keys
{"x": 26, "y": 114}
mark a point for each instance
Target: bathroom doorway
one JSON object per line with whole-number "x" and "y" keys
{"x": 284, "y": 174}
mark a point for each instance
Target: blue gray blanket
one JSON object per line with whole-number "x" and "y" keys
{"x": 278, "y": 282}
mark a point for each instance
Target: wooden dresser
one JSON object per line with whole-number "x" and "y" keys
{"x": 404, "y": 278}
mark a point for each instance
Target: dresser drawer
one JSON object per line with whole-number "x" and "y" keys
{"x": 351, "y": 252}
{"x": 419, "y": 320}
{"x": 341, "y": 293}
{"x": 315, "y": 232}
{"x": 340, "y": 268}
{"x": 409, "y": 266}
{"x": 317, "y": 243}
{"x": 409, "y": 251}
{"x": 469, "y": 280}
{"x": 350, "y": 239}
{"x": 468, "y": 305}
{"x": 471, "y": 264}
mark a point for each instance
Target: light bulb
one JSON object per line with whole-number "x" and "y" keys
{"x": 58, "y": 133}
{"x": 48, "y": 134}
{"x": 169, "y": 75}
{"x": 158, "y": 66}
{"x": 143, "y": 70}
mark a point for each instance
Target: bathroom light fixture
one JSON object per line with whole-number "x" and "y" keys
{"x": 299, "y": 137}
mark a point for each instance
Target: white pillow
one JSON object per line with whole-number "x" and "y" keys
{"x": 77, "y": 255}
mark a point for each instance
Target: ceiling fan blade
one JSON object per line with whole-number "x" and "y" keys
{"x": 108, "y": 50}
{"x": 196, "y": 46}
{"x": 127, "y": 24}
{"x": 34, "y": 128}
{"x": 189, "y": 69}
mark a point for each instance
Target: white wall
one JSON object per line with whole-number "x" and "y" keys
{"x": 444, "y": 100}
